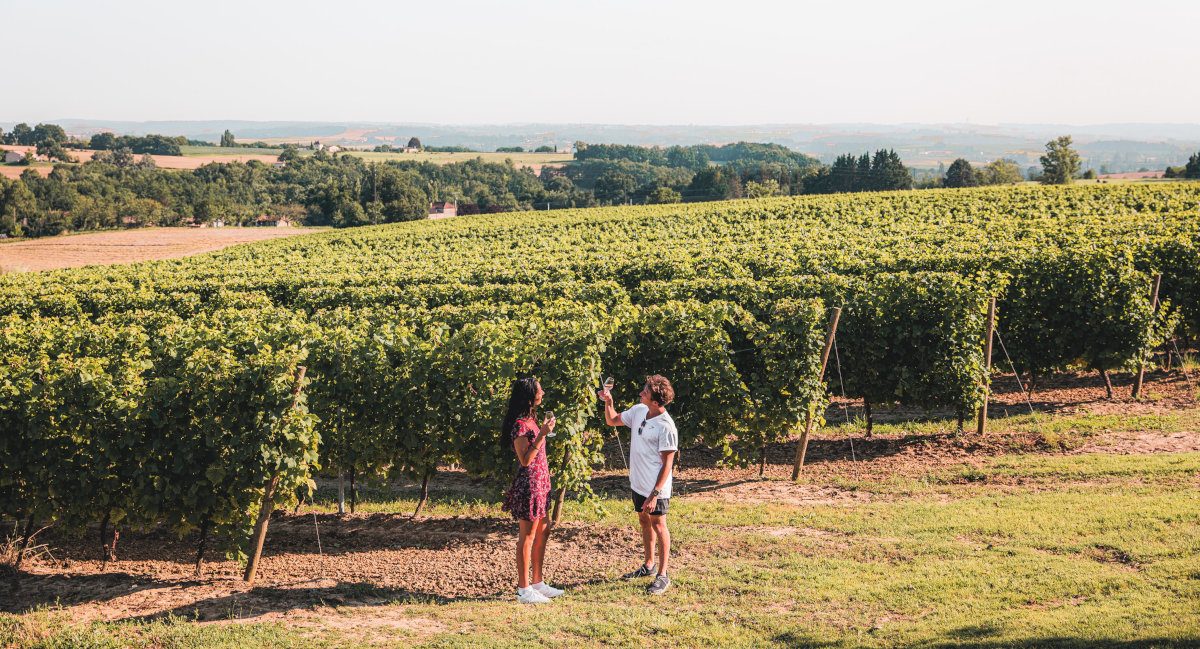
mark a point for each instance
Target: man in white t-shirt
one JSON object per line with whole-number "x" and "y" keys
{"x": 652, "y": 448}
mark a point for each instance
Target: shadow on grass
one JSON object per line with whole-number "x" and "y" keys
{"x": 26, "y": 592}
{"x": 32, "y": 592}
{"x": 288, "y": 534}
{"x": 263, "y": 600}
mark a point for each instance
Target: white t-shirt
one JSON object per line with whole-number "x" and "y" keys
{"x": 658, "y": 435}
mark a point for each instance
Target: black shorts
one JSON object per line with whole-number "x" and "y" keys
{"x": 660, "y": 507}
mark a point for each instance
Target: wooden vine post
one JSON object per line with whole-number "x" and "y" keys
{"x": 268, "y": 502}
{"x": 1141, "y": 375}
{"x": 802, "y": 447}
{"x": 989, "y": 333}
{"x": 562, "y": 494}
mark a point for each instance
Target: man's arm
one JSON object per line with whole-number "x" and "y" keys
{"x": 668, "y": 461}
{"x": 611, "y": 416}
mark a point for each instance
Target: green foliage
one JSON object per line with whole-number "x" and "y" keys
{"x": 663, "y": 196}
{"x": 1082, "y": 306}
{"x": 1061, "y": 162}
{"x": 54, "y": 150}
{"x": 614, "y": 188}
{"x": 23, "y": 135}
{"x": 765, "y": 189}
{"x": 102, "y": 421}
{"x": 883, "y": 172}
{"x": 1001, "y": 172}
{"x": 412, "y": 333}
{"x": 960, "y": 174}
{"x": 1192, "y": 169}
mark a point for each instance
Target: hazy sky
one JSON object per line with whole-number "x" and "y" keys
{"x": 615, "y": 62}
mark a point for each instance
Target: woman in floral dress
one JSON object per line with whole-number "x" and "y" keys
{"x": 529, "y": 494}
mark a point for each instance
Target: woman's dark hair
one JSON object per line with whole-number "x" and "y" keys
{"x": 520, "y": 405}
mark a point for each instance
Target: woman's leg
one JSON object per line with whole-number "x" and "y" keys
{"x": 524, "y": 548}
{"x": 541, "y": 531}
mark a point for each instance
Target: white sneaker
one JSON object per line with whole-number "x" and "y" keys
{"x": 531, "y": 596}
{"x": 547, "y": 590}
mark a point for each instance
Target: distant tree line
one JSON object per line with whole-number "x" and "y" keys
{"x": 1190, "y": 170}
{"x": 151, "y": 144}
{"x": 122, "y": 187}
{"x": 119, "y": 188}
{"x": 882, "y": 172}
{"x": 48, "y": 138}
{"x": 996, "y": 172}
{"x": 619, "y": 173}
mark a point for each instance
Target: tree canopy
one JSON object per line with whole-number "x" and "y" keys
{"x": 1061, "y": 162}
{"x": 960, "y": 174}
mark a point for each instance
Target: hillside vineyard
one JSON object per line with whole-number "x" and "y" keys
{"x": 167, "y": 391}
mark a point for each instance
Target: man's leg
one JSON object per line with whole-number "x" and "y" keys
{"x": 658, "y": 527}
{"x": 647, "y": 536}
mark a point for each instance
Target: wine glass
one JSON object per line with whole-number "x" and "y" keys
{"x": 549, "y": 415}
{"x": 608, "y": 384}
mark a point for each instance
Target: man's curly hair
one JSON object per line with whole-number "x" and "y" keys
{"x": 660, "y": 388}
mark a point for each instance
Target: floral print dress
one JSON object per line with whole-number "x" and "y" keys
{"x": 529, "y": 494}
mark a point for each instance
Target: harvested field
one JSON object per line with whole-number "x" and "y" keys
{"x": 163, "y": 161}
{"x": 128, "y": 246}
{"x": 1133, "y": 175}
{"x": 9, "y": 171}
{"x": 197, "y": 158}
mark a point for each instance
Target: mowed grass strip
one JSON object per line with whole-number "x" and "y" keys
{"x": 1094, "y": 550}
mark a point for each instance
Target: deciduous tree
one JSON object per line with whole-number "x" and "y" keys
{"x": 54, "y": 150}
{"x": 1061, "y": 162}
{"x": 21, "y": 134}
{"x": 960, "y": 174}
{"x": 664, "y": 195}
{"x": 614, "y": 187}
{"x": 47, "y": 133}
{"x": 1002, "y": 172}
{"x": 762, "y": 189}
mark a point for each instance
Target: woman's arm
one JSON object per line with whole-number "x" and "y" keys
{"x": 526, "y": 451}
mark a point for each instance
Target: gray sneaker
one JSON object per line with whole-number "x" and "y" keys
{"x": 660, "y": 585}
{"x": 644, "y": 571}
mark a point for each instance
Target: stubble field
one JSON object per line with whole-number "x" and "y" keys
{"x": 128, "y": 246}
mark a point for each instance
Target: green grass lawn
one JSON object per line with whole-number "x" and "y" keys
{"x": 1034, "y": 550}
